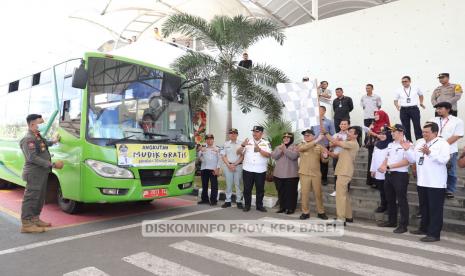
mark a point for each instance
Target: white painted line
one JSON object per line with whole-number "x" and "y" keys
{"x": 389, "y": 230}
{"x": 316, "y": 258}
{"x": 399, "y": 242}
{"x": 250, "y": 265}
{"x": 95, "y": 233}
{"x": 159, "y": 266}
{"x": 382, "y": 253}
{"x": 87, "y": 271}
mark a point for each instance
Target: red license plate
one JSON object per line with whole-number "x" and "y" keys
{"x": 155, "y": 193}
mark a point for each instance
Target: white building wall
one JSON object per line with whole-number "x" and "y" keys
{"x": 420, "y": 38}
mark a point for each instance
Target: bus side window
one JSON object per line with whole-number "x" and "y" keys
{"x": 70, "y": 117}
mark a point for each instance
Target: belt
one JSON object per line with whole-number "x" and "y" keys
{"x": 233, "y": 163}
{"x": 389, "y": 172}
{"x": 409, "y": 107}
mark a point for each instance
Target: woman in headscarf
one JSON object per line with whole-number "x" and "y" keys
{"x": 379, "y": 155}
{"x": 381, "y": 119}
{"x": 285, "y": 174}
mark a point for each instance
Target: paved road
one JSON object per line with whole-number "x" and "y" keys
{"x": 117, "y": 247}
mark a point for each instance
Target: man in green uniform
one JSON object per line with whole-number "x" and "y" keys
{"x": 447, "y": 92}
{"x": 36, "y": 169}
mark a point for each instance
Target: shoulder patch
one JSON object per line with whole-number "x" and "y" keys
{"x": 31, "y": 145}
{"x": 458, "y": 88}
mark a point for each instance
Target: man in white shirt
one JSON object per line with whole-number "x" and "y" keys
{"x": 370, "y": 103}
{"x": 256, "y": 154}
{"x": 233, "y": 168}
{"x": 430, "y": 155}
{"x": 406, "y": 101}
{"x": 396, "y": 165}
{"x": 451, "y": 130}
{"x": 209, "y": 155}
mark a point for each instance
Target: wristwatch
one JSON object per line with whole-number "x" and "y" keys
{"x": 388, "y": 167}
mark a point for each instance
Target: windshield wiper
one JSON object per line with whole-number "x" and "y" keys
{"x": 114, "y": 142}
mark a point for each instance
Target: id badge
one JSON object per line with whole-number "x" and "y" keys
{"x": 408, "y": 100}
{"x": 340, "y": 105}
{"x": 421, "y": 160}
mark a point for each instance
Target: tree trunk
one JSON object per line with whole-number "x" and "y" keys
{"x": 229, "y": 109}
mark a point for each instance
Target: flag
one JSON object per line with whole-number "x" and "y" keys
{"x": 300, "y": 103}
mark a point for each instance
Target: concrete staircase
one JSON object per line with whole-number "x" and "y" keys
{"x": 365, "y": 199}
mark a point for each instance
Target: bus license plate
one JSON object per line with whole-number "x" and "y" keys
{"x": 155, "y": 193}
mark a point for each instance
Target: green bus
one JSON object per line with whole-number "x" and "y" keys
{"x": 125, "y": 126}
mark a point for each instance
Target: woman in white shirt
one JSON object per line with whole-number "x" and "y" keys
{"x": 379, "y": 155}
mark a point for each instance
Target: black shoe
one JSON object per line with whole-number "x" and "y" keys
{"x": 417, "y": 232}
{"x": 350, "y": 220}
{"x": 324, "y": 182}
{"x": 386, "y": 224}
{"x": 226, "y": 205}
{"x": 400, "y": 230}
{"x": 304, "y": 216}
{"x": 239, "y": 205}
{"x": 380, "y": 209}
{"x": 323, "y": 216}
{"x": 203, "y": 202}
{"x": 246, "y": 209}
{"x": 290, "y": 212}
{"x": 213, "y": 203}
{"x": 429, "y": 239}
{"x": 449, "y": 195}
{"x": 262, "y": 209}
{"x": 374, "y": 186}
{"x": 281, "y": 211}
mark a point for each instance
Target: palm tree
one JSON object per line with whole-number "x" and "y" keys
{"x": 230, "y": 36}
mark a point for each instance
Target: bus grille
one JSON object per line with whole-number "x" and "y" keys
{"x": 155, "y": 177}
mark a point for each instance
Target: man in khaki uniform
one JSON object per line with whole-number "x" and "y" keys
{"x": 447, "y": 92}
{"x": 344, "y": 171}
{"x": 36, "y": 169}
{"x": 310, "y": 174}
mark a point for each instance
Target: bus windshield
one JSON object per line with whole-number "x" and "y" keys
{"x": 131, "y": 102}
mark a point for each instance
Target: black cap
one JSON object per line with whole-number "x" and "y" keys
{"x": 257, "y": 128}
{"x": 308, "y": 131}
{"x": 208, "y": 136}
{"x": 32, "y": 117}
{"x": 398, "y": 127}
{"x": 447, "y": 105}
{"x": 233, "y": 130}
{"x": 442, "y": 75}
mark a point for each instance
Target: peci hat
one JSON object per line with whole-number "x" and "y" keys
{"x": 398, "y": 127}
{"x": 447, "y": 105}
{"x": 233, "y": 130}
{"x": 308, "y": 131}
{"x": 257, "y": 128}
{"x": 442, "y": 75}
{"x": 209, "y": 136}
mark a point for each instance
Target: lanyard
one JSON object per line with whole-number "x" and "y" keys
{"x": 409, "y": 92}
{"x": 431, "y": 145}
{"x": 442, "y": 126}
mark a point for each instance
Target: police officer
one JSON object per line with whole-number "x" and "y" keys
{"x": 395, "y": 166}
{"x": 447, "y": 92}
{"x": 256, "y": 154}
{"x": 37, "y": 167}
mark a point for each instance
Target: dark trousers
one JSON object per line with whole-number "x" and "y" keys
{"x": 370, "y": 157}
{"x": 432, "y": 209}
{"x": 336, "y": 124}
{"x": 407, "y": 114}
{"x": 287, "y": 192}
{"x": 324, "y": 167}
{"x": 206, "y": 176}
{"x": 382, "y": 195}
{"x": 34, "y": 195}
{"x": 395, "y": 187}
{"x": 367, "y": 123}
{"x": 249, "y": 179}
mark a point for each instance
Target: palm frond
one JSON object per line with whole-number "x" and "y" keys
{"x": 195, "y": 64}
{"x": 274, "y": 130}
{"x": 197, "y": 99}
{"x": 267, "y": 75}
{"x": 259, "y": 29}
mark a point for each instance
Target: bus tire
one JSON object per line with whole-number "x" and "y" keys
{"x": 67, "y": 205}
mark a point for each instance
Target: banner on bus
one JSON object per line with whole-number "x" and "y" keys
{"x": 138, "y": 155}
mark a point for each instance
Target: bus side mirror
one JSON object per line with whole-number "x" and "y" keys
{"x": 206, "y": 87}
{"x": 80, "y": 77}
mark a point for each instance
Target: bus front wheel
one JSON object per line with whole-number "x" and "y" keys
{"x": 67, "y": 205}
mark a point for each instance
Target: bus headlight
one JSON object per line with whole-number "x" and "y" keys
{"x": 109, "y": 170}
{"x": 187, "y": 169}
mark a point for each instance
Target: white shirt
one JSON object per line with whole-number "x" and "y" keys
{"x": 403, "y": 94}
{"x": 342, "y": 135}
{"x": 433, "y": 172}
{"x": 396, "y": 153}
{"x": 370, "y": 104}
{"x": 379, "y": 155}
{"x": 448, "y": 127}
{"x": 254, "y": 161}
